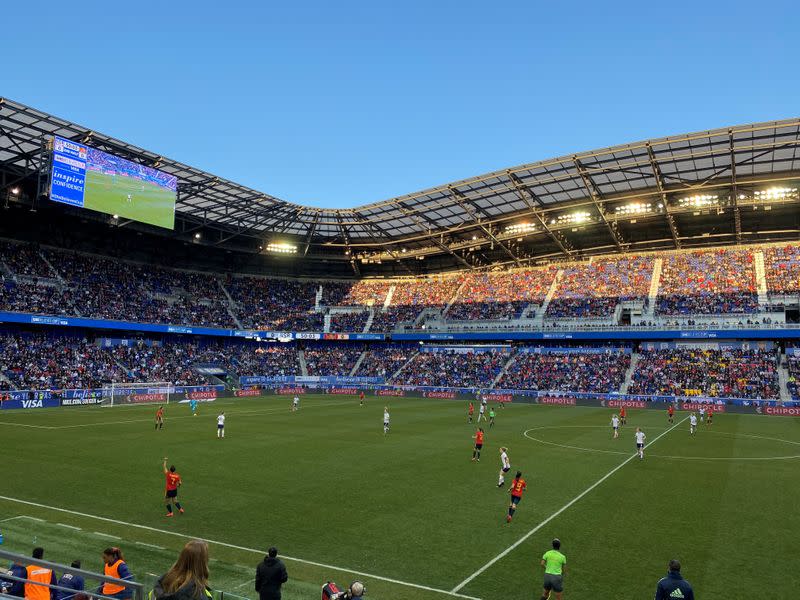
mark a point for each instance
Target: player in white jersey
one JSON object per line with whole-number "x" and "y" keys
{"x": 221, "y": 425}
{"x": 640, "y": 437}
{"x": 692, "y": 423}
{"x": 615, "y": 425}
{"x": 385, "y": 420}
{"x": 482, "y": 411}
{"x": 295, "y": 404}
{"x": 130, "y": 199}
{"x": 702, "y": 412}
{"x": 505, "y": 466}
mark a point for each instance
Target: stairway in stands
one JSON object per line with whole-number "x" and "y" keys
{"x": 403, "y": 366}
{"x": 230, "y": 305}
{"x": 539, "y": 319}
{"x": 655, "y": 282}
{"x": 301, "y": 358}
{"x": 504, "y": 370}
{"x": 357, "y": 366}
{"x": 761, "y": 279}
{"x": 629, "y": 374}
{"x": 370, "y": 319}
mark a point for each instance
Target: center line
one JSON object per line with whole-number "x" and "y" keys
{"x": 516, "y": 544}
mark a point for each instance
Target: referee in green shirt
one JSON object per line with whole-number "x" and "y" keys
{"x": 555, "y": 567}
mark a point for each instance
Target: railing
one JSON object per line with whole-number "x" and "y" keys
{"x": 136, "y": 588}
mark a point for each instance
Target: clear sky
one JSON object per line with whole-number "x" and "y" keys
{"x": 342, "y": 103}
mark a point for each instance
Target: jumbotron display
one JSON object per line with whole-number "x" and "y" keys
{"x": 89, "y": 178}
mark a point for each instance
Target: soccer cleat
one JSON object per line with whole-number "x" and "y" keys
{"x": 508, "y": 519}
{"x": 180, "y": 510}
{"x": 169, "y": 514}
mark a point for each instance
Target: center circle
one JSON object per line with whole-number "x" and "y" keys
{"x": 527, "y": 434}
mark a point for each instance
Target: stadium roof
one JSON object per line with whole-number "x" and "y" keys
{"x": 583, "y": 203}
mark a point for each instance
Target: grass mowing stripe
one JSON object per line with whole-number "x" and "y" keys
{"x": 516, "y": 544}
{"x": 14, "y": 424}
{"x": 235, "y": 547}
{"x": 150, "y": 420}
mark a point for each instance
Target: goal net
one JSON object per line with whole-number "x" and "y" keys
{"x": 158, "y": 392}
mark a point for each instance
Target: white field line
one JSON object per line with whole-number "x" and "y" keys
{"x": 248, "y": 582}
{"x": 149, "y": 545}
{"x": 516, "y": 544}
{"x": 69, "y": 526}
{"x": 12, "y": 518}
{"x": 235, "y": 547}
{"x": 105, "y": 535}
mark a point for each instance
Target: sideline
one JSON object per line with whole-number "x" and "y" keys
{"x": 516, "y": 544}
{"x": 242, "y": 548}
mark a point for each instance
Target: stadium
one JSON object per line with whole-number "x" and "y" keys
{"x": 652, "y": 274}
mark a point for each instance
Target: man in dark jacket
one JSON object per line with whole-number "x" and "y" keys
{"x": 270, "y": 576}
{"x": 673, "y": 586}
{"x": 73, "y": 582}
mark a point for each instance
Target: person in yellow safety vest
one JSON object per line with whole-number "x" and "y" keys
{"x": 114, "y": 566}
{"x": 38, "y": 579}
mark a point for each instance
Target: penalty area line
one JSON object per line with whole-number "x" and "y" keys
{"x": 235, "y": 547}
{"x": 516, "y": 544}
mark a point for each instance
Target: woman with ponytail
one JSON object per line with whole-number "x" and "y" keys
{"x": 114, "y": 566}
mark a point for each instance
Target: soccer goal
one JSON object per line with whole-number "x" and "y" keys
{"x": 158, "y": 392}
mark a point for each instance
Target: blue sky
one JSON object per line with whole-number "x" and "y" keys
{"x": 340, "y": 104}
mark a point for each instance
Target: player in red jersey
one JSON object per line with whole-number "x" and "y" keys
{"x": 173, "y": 480}
{"x": 709, "y": 416}
{"x": 622, "y": 416}
{"x": 361, "y": 399}
{"x": 160, "y": 418}
{"x": 671, "y": 412}
{"x": 517, "y": 488}
{"x": 478, "y": 437}
{"x": 470, "y": 412}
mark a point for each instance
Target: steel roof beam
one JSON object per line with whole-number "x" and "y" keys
{"x": 529, "y": 198}
{"x": 432, "y": 236}
{"x": 662, "y": 191}
{"x": 346, "y": 237}
{"x": 737, "y": 215}
{"x": 465, "y": 203}
{"x": 598, "y": 202}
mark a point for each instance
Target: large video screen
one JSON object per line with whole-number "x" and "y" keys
{"x": 89, "y": 178}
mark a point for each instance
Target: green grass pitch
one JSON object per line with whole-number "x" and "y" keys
{"x": 149, "y": 203}
{"x": 327, "y": 488}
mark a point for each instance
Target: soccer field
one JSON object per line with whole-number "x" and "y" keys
{"x": 149, "y": 202}
{"x": 344, "y": 502}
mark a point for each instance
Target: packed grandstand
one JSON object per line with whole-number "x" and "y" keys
{"x": 699, "y": 289}
{"x": 638, "y": 270}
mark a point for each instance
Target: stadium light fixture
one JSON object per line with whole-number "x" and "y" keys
{"x": 634, "y": 208}
{"x": 699, "y": 201}
{"x": 15, "y": 191}
{"x": 518, "y": 228}
{"x": 775, "y": 193}
{"x": 574, "y": 218}
{"x": 197, "y": 235}
{"x": 115, "y": 217}
{"x": 281, "y": 248}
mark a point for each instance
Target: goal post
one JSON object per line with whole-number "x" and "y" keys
{"x": 157, "y": 392}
